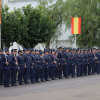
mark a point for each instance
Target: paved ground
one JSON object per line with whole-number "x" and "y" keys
{"x": 83, "y": 88}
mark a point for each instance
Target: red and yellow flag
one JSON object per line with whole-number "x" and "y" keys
{"x": 76, "y": 25}
{"x": 0, "y": 11}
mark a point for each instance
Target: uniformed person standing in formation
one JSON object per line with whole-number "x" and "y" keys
{"x": 31, "y": 66}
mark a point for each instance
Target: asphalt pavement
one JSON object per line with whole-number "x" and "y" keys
{"x": 81, "y": 88}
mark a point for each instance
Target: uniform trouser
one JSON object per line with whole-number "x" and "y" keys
{"x": 1, "y": 75}
{"x": 89, "y": 68}
{"x": 85, "y": 69}
{"x": 20, "y": 75}
{"x": 73, "y": 70}
{"x": 93, "y": 67}
{"x": 6, "y": 77}
{"x": 82, "y": 69}
{"x": 47, "y": 73}
{"x": 98, "y": 68}
{"x": 26, "y": 74}
{"x": 13, "y": 75}
{"x": 56, "y": 72}
{"x": 65, "y": 70}
{"x": 33, "y": 74}
{"x": 38, "y": 73}
{"x": 78, "y": 70}
{"x": 42, "y": 73}
{"x": 60, "y": 69}
{"x": 52, "y": 71}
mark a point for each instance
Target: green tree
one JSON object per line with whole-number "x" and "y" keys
{"x": 54, "y": 11}
{"x": 13, "y": 26}
{"x": 27, "y": 26}
{"x": 89, "y": 11}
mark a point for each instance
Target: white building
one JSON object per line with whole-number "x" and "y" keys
{"x": 63, "y": 40}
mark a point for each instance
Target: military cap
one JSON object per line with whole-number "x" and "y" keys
{"x": 14, "y": 50}
{"x": 20, "y": 51}
{"x": 25, "y": 49}
{"x": 6, "y": 49}
{"x": 31, "y": 49}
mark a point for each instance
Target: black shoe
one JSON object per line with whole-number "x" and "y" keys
{"x": 42, "y": 80}
{"x": 60, "y": 77}
{"x": 14, "y": 85}
{"x": 20, "y": 84}
{"x": 7, "y": 86}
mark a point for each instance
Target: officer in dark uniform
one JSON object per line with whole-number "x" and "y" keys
{"x": 14, "y": 67}
{"x": 78, "y": 62}
{"x": 46, "y": 65}
{"x": 21, "y": 65}
{"x": 60, "y": 62}
{"x": 28, "y": 64}
{"x": 73, "y": 62}
{"x": 97, "y": 62}
{"x": 85, "y": 62}
{"x": 93, "y": 61}
{"x": 90, "y": 60}
{"x": 39, "y": 66}
{"x": 52, "y": 64}
{"x": 43, "y": 66}
{"x": 33, "y": 67}
{"x": 66, "y": 63}
{"x": 56, "y": 69}
{"x": 1, "y": 66}
{"x": 6, "y": 68}
{"x": 82, "y": 63}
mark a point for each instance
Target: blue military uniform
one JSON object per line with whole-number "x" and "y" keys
{"x": 39, "y": 67}
{"x": 90, "y": 61}
{"x": 52, "y": 66}
{"x": 97, "y": 62}
{"x": 93, "y": 63}
{"x": 21, "y": 65}
{"x": 66, "y": 61}
{"x": 60, "y": 64}
{"x": 78, "y": 63}
{"x": 85, "y": 63}
{"x": 46, "y": 66}
{"x": 6, "y": 69}
{"x": 43, "y": 67}
{"x": 82, "y": 64}
{"x": 1, "y": 67}
{"x": 28, "y": 64}
{"x": 14, "y": 67}
{"x": 72, "y": 64}
{"x": 33, "y": 68}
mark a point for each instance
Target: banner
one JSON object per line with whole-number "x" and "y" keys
{"x": 76, "y": 25}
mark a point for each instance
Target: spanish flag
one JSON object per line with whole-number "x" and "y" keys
{"x": 76, "y": 25}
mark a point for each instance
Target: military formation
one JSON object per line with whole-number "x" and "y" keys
{"x": 33, "y": 66}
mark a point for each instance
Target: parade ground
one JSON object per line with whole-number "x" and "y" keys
{"x": 82, "y": 88}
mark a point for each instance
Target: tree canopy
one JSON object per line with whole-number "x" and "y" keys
{"x": 26, "y": 26}
{"x": 89, "y": 11}
{"x": 29, "y": 26}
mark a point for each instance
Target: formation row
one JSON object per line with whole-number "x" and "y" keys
{"x": 31, "y": 65}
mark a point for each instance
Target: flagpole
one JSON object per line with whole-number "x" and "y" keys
{"x": 75, "y": 41}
